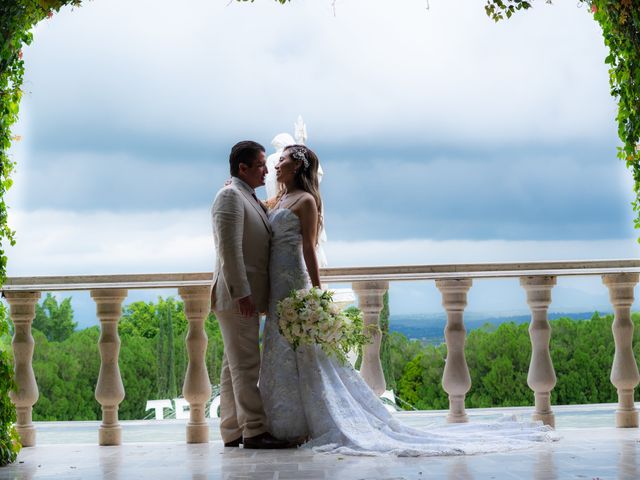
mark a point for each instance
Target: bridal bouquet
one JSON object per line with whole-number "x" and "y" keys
{"x": 309, "y": 317}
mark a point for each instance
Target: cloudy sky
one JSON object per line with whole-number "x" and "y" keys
{"x": 444, "y": 137}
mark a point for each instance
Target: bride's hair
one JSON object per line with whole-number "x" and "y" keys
{"x": 306, "y": 177}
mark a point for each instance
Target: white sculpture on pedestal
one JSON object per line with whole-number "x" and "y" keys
{"x": 300, "y": 132}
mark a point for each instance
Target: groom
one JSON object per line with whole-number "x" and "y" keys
{"x": 240, "y": 292}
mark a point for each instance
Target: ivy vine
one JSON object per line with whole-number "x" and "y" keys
{"x": 619, "y": 20}
{"x": 620, "y": 23}
{"x": 17, "y": 18}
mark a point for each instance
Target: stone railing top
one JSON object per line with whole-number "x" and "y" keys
{"x": 339, "y": 274}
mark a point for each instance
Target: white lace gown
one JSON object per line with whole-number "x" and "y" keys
{"x": 307, "y": 393}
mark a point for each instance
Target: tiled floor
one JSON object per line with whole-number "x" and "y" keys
{"x": 583, "y": 453}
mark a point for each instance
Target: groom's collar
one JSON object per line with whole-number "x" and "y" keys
{"x": 242, "y": 184}
{"x": 249, "y": 192}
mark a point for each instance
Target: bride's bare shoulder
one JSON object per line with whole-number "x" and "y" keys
{"x": 306, "y": 197}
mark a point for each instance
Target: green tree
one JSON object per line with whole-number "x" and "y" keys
{"x": 172, "y": 389}
{"x": 138, "y": 368}
{"x": 53, "y": 319}
{"x": 161, "y": 371}
{"x": 420, "y": 383}
{"x": 139, "y": 318}
{"x": 400, "y": 351}
{"x": 215, "y": 348}
{"x": 498, "y": 359}
{"x": 66, "y": 373}
{"x": 385, "y": 347}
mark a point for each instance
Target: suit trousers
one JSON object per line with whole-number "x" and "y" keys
{"x": 241, "y": 410}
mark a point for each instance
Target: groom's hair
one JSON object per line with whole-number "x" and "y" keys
{"x": 243, "y": 152}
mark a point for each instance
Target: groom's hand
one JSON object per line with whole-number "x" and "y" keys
{"x": 246, "y": 305}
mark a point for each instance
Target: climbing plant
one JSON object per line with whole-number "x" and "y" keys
{"x": 619, "y": 20}
{"x": 9, "y": 438}
{"x": 17, "y": 18}
{"x": 620, "y": 23}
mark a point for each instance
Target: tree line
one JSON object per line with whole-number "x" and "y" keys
{"x": 153, "y": 361}
{"x": 153, "y": 358}
{"x": 498, "y": 359}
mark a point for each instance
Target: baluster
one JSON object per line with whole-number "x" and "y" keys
{"x": 109, "y": 389}
{"x": 624, "y": 372}
{"x": 197, "y": 387}
{"x": 542, "y": 377}
{"x": 456, "y": 380}
{"x": 370, "y": 301}
{"x": 22, "y": 311}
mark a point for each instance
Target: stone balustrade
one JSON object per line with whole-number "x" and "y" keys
{"x": 370, "y": 284}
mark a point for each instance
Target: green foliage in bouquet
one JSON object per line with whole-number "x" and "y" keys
{"x": 358, "y": 334}
{"x": 9, "y": 439}
{"x": 310, "y": 317}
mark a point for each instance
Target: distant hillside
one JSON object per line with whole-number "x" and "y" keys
{"x": 429, "y": 328}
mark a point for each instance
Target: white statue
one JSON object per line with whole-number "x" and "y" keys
{"x": 300, "y": 131}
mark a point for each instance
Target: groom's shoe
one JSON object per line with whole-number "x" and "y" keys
{"x": 266, "y": 440}
{"x": 234, "y": 443}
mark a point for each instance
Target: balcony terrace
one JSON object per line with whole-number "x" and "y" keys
{"x": 591, "y": 446}
{"x": 157, "y": 449}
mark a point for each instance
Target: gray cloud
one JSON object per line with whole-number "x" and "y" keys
{"x": 430, "y": 124}
{"x": 522, "y": 192}
{"x": 561, "y": 193}
{"x": 174, "y": 80}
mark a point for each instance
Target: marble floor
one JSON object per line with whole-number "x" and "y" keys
{"x": 582, "y": 453}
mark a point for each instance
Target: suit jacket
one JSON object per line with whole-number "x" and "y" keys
{"x": 242, "y": 236}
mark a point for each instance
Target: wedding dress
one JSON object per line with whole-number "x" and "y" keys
{"x": 308, "y": 394}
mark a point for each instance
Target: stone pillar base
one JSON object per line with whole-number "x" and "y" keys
{"x": 546, "y": 418}
{"x": 627, "y": 418}
{"x": 460, "y": 418}
{"x": 457, "y": 413}
{"x": 109, "y": 435}
{"x": 27, "y": 435}
{"x": 197, "y": 433}
{"x": 543, "y": 410}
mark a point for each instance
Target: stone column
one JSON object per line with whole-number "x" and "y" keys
{"x": 197, "y": 387}
{"x": 456, "y": 380}
{"x": 370, "y": 298}
{"x": 541, "y": 378}
{"x": 109, "y": 389}
{"x": 22, "y": 311}
{"x": 624, "y": 372}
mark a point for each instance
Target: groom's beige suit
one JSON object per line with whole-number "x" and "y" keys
{"x": 242, "y": 235}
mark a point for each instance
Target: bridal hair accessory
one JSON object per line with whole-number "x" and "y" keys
{"x": 300, "y": 154}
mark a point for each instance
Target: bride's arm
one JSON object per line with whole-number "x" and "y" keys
{"x": 309, "y": 222}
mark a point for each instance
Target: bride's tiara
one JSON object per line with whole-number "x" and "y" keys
{"x": 300, "y": 153}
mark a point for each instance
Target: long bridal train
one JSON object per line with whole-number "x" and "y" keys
{"x": 309, "y": 395}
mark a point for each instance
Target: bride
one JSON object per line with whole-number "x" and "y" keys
{"x": 313, "y": 398}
